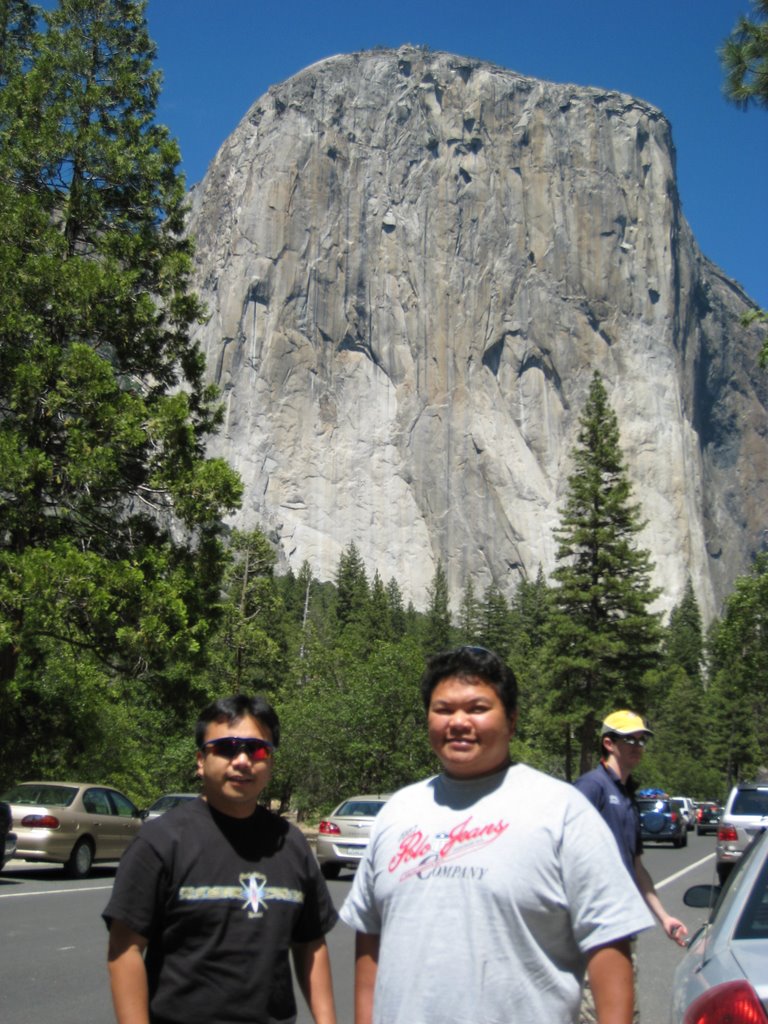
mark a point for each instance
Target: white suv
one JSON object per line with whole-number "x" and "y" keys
{"x": 745, "y": 814}
{"x": 687, "y": 810}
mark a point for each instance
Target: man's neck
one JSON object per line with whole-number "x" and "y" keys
{"x": 612, "y": 763}
{"x": 229, "y": 808}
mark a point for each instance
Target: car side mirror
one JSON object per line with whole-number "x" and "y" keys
{"x": 701, "y": 895}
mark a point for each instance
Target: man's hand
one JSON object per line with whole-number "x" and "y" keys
{"x": 675, "y": 930}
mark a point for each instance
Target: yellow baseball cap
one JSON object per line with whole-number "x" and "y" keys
{"x": 623, "y": 723}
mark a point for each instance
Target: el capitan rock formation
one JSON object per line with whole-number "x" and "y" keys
{"x": 414, "y": 262}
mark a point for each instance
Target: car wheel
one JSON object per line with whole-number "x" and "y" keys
{"x": 699, "y": 831}
{"x": 330, "y": 869}
{"x": 80, "y": 860}
{"x": 684, "y": 839}
{"x": 723, "y": 870}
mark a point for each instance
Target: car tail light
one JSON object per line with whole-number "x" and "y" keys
{"x": 40, "y": 821}
{"x": 727, "y": 834}
{"x": 699, "y": 814}
{"x": 734, "y": 1002}
{"x": 327, "y": 828}
{"x": 673, "y": 816}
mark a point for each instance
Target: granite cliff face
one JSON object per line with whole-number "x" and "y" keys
{"x": 414, "y": 262}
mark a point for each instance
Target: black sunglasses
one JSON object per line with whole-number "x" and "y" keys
{"x": 634, "y": 741}
{"x": 230, "y": 746}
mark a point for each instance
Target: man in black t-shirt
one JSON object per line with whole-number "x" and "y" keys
{"x": 210, "y": 897}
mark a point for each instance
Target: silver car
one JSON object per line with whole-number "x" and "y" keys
{"x": 166, "y": 802}
{"x": 724, "y": 973}
{"x": 745, "y": 814}
{"x": 343, "y": 836}
{"x": 7, "y": 837}
{"x": 71, "y": 823}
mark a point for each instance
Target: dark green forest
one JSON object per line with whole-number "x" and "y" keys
{"x": 126, "y": 602}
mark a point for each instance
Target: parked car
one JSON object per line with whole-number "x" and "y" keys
{"x": 343, "y": 836}
{"x": 660, "y": 822}
{"x": 71, "y": 823}
{"x": 687, "y": 809}
{"x": 724, "y": 973}
{"x": 678, "y": 806}
{"x": 707, "y": 817}
{"x": 7, "y": 837}
{"x": 744, "y": 815}
{"x": 165, "y": 803}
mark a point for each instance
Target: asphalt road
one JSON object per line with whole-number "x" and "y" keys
{"x": 53, "y": 943}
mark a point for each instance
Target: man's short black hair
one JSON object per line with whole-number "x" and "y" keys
{"x": 471, "y": 663}
{"x": 232, "y": 709}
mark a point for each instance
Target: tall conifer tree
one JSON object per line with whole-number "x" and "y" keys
{"x": 396, "y": 610}
{"x": 438, "y": 629}
{"x": 684, "y": 636}
{"x": 109, "y": 509}
{"x": 603, "y": 637}
{"x": 470, "y": 625}
{"x": 737, "y": 695}
{"x": 353, "y": 590}
{"x": 496, "y": 621}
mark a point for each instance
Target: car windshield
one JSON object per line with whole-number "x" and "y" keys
{"x": 165, "y": 803}
{"x": 40, "y": 795}
{"x": 748, "y": 801}
{"x": 360, "y": 809}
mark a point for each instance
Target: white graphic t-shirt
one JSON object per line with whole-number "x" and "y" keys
{"x": 487, "y": 894}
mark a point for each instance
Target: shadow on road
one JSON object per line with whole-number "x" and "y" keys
{"x": 15, "y": 872}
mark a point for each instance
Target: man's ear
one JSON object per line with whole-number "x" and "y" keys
{"x": 199, "y": 770}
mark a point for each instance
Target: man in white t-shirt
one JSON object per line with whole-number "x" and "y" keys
{"x": 488, "y": 890}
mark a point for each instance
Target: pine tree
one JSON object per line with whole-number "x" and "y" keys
{"x": 528, "y": 618}
{"x": 495, "y": 619}
{"x": 248, "y": 649}
{"x": 744, "y": 57}
{"x": 603, "y": 637}
{"x": 352, "y": 587}
{"x": 438, "y": 630}
{"x": 379, "y": 624}
{"x": 684, "y": 637}
{"x": 470, "y": 627}
{"x": 737, "y": 695}
{"x": 110, "y": 512}
{"x": 396, "y": 610}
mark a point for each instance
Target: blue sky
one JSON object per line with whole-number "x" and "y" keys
{"x": 219, "y": 56}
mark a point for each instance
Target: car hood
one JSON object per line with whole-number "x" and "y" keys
{"x": 752, "y": 957}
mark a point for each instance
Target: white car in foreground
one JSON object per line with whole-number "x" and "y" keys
{"x": 724, "y": 974}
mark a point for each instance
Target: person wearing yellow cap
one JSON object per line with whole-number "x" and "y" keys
{"x": 610, "y": 787}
